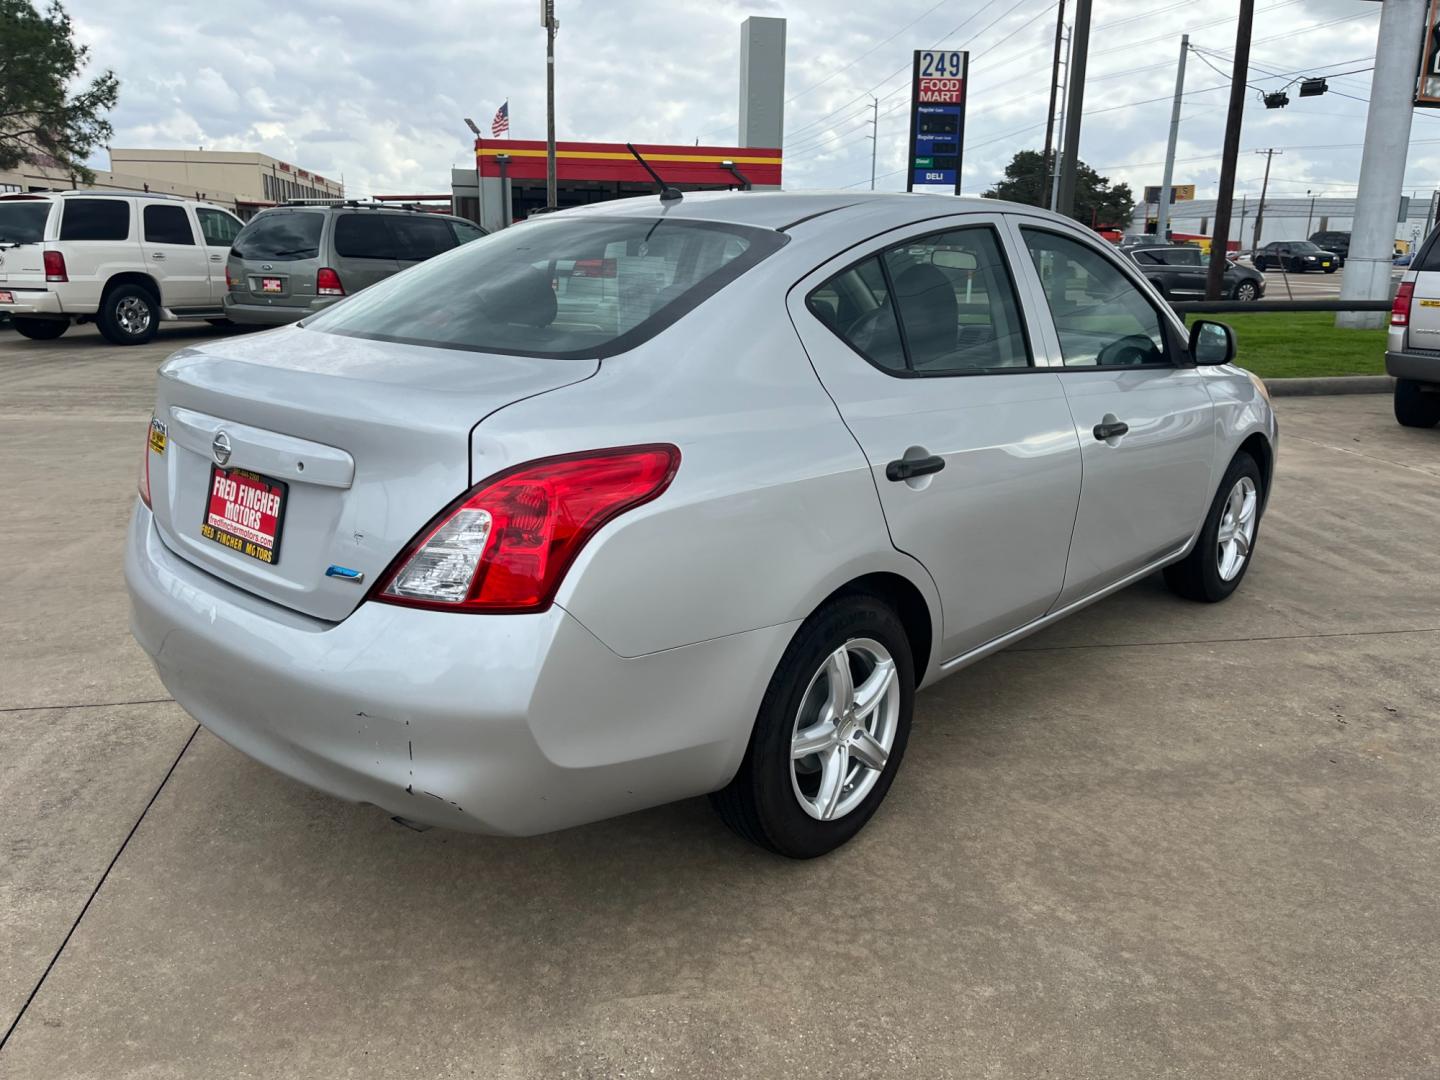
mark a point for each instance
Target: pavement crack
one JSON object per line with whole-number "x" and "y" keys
{"x": 87, "y": 705}
{"x": 95, "y": 891}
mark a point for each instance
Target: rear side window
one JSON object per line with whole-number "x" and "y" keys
{"x": 566, "y": 287}
{"x": 23, "y": 221}
{"x": 465, "y": 232}
{"x": 421, "y": 237}
{"x": 855, "y": 305}
{"x": 167, "y": 225}
{"x": 280, "y": 236}
{"x": 364, "y": 236}
{"x": 95, "y": 219}
{"x": 218, "y": 227}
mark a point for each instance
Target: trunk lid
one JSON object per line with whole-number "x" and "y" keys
{"x": 1423, "y": 331}
{"x": 369, "y": 439}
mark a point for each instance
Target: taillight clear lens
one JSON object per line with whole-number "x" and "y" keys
{"x": 327, "y": 283}
{"x": 145, "y": 468}
{"x": 506, "y": 544}
{"x": 1400, "y": 309}
{"x": 55, "y": 266}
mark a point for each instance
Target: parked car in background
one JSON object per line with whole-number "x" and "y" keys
{"x": 123, "y": 260}
{"x": 1412, "y": 348}
{"x": 1295, "y": 257}
{"x": 292, "y": 261}
{"x": 1180, "y": 273}
{"x": 1137, "y": 240}
{"x": 500, "y": 551}
{"x": 1337, "y": 243}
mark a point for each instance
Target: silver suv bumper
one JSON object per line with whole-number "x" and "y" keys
{"x": 1422, "y": 367}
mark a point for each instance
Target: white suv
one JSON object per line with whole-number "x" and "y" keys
{"x": 124, "y": 260}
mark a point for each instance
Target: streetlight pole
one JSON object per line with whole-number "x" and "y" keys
{"x": 475, "y": 152}
{"x": 1162, "y": 216}
{"x": 551, "y": 24}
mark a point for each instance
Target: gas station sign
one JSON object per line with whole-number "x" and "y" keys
{"x": 937, "y": 118}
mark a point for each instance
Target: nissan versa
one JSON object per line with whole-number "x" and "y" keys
{"x": 659, "y": 498}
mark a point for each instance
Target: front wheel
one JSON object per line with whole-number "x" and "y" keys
{"x": 1414, "y": 407}
{"x": 41, "y": 329}
{"x": 128, "y": 315}
{"x": 1221, "y": 555}
{"x": 830, "y": 733}
{"x": 1331, "y": 269}
{"x": 1246, "y": 291}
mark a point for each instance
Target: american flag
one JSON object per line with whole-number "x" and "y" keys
{"x": 501, "y": 123}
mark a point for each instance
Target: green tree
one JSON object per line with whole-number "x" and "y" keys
{"x": 41, "y": 121}
{"x": 1096, "y": 201}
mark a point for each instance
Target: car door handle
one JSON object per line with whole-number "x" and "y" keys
{"x": 217, "y": 258}
{"x": 157, "y": 254}
{"x": 1111, "y": 430}
{"x": 906, "y": 468}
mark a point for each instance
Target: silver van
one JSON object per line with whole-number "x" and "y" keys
{"x": 292, "y": 261}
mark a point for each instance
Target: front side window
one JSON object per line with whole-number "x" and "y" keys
{"x": 280, "y": 236}
{"x": 1183, "y": 256}
{"x": 1101, "y": 316}
{"x": 421, "y": 237}
{"x": 95, "y": 219}
{"x": 567, "y": 287}
{"x": 167, "y": 225}
{"x": 218, "y": 227}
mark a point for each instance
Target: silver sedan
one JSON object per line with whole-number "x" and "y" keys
{"x": 655, "y": 499}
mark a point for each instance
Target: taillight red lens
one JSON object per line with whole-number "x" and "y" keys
{"x": 1400, "y": 309}
{"x": 55, "y": 267}
{"x": 506, "y": 544}
{"x": 327, "y": 283}
{"x": 229, "y": 278}
{"x": 145, "y": 468}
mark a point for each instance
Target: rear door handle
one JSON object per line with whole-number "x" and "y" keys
{"x": 217, "y": 258}
{"x": 1111, "y": 430}
{"x": 157, "y": 255}
{"x": 906, "y": 468}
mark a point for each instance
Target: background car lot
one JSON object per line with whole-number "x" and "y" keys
{"x": 1155, "y": 839}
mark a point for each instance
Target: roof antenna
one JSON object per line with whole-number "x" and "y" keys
{"x": 667, "y": 193}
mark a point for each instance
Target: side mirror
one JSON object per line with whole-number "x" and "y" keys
{"x": 1211, "y": 343}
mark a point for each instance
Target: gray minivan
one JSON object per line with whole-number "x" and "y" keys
{"x": 292, "y": 261}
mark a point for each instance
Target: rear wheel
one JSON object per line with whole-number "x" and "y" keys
{"x": 128, "y": 315}
{"x": 41, "y": 329}
{"x": 1217, "y": 563}
{"x": 1246, "y": 291}
{"x": 1415, "y": 406}
{"x": 830, "y": 733}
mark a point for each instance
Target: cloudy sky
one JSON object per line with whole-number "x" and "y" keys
{"x": 377, "y": 92}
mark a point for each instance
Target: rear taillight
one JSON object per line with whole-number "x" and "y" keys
{"x": 145, "y": 466}
{"x": 327, "y": 283}
{"x": 1400, "y": 309}
{"x": 505, "y": 545}
{"x": 229, "y": 279}
{"x": 55, "y": 267}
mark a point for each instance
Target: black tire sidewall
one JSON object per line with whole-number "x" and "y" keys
{"x": 787, "y": 827}
{"x": 1216, "y": 587}
{"x": 25, "y": 327}
{"x": 109, "y": 324}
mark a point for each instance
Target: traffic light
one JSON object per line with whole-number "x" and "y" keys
{"x": 1278, "y": 100}
{"x": 1313, "y": 87}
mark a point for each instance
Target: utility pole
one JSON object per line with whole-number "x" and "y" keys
{"x": 1215, "y": 278}
{"x": 1047, "y": 162}
{"x": 874, "y": 135}
{"x": 1162, "y": 216}
{"x": 1382, "y": 162}
{"x": 1309, "y": 217}
{"x": 1264, "y": 190}
{"x": 1055, "y": 172}
{"x": 1079, "y": 47}
{"x": 551, "y": 24}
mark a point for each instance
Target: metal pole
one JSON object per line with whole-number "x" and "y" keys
{"x": 1055, "y": 172}
{"x": 551, "y": 25}
{"x": 1264, "y": 190}
{"x": 1215, "y": 277}
{"x": 1079, "y": 47}
{"x": 1310, "y": 216}
{"x": 1430, "y": 213}
{"x": 1382, "y": 163}
{"x": 1046, "y": 161}
{"x": 874, "y": 136}
{"x": 1162, "y": 217}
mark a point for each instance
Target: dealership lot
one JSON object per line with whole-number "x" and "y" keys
{"x": 1157, "y": 839}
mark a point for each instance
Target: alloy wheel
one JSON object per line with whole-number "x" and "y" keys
{"x": 133, "y": 315}
{"x": 1236, "y": 534}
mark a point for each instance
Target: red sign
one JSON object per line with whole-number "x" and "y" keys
{"x": 942, "y": 91}
{"x": 245, "y": 512}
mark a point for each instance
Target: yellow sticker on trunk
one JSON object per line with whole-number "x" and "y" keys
{"x": 157, "y": 436}
{"x": 1430, "y": 303}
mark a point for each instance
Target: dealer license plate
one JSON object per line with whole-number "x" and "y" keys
{"x": 244, "y": 512}
{"x": 270, "y": 284}
{"x": 6, "y": 296}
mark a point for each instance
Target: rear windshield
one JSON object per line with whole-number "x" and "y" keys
{"x": 23, "y": 221}
{"x": 280, "y": 236}
{"x": 561, "y": 287}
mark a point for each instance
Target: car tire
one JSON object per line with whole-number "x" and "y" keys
{"x": 780, "y": 801}
{"x": 41, "y": 329}
{"x": 1414, "y": 406}
{"x": 1247, "y": 291}
{"x": 1331, "y": 269}
{"x": 1214, "y": 569}
{"x": 128, "y": 315}
{"x": 220, "y": 322}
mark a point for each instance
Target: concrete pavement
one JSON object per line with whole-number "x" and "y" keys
{"x": 1158, "y": 839}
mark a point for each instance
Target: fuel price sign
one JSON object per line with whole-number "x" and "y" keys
{"x": 937, "y": 118}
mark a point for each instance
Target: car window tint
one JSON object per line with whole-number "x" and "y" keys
{"x": 421, "y": 237}
{"x": 956, "y": 304}
{"x": 1101, "y": 316}
{"x": 465, "y": 232}
{"x": 1148, "y": 258}
{"x": 364, "y": 236}
{"x": 218, "y": 227}
{"x": 855, "y": 305}
{"x": 167, "y": 225}
{"x": 280, "y": 236}
{"x": 563, "y": 287}
{"x": 1186, "y": 256}
{"x": 95, "y": 219}
{"x": 23, "y": 221}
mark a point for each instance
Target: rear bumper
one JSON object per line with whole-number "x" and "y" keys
{"x": 38, "y": 302}
{"x": 1422, "y": 367}
{"x": 273, "y": 314}
{"x": 513, "y": 725}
